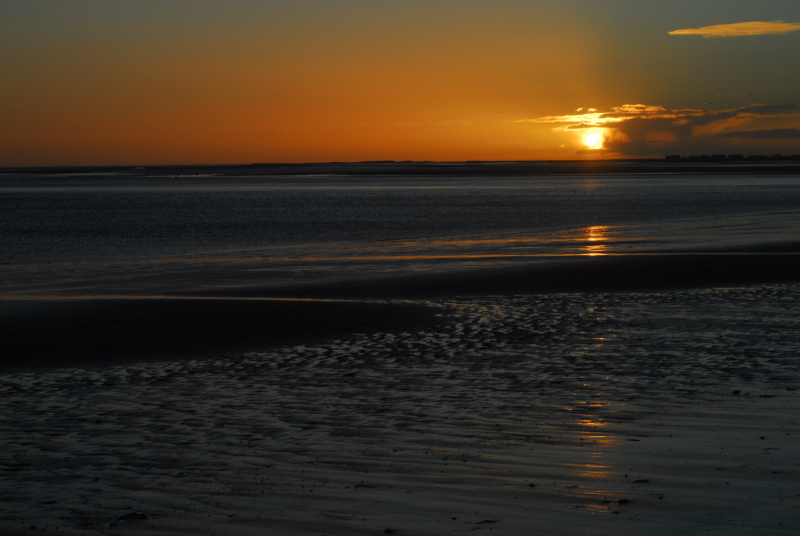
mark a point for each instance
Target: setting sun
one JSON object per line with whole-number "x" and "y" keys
{"x": 593, "y": 141}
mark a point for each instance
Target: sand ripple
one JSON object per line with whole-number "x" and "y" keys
{"x": 524, "y": 413}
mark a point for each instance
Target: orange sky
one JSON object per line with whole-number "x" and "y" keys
{"x": 242, "y": 82}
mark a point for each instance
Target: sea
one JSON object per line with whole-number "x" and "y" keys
{"x": 113, "y": 216}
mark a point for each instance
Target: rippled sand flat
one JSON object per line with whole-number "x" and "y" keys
{"x": 664, "y": 413}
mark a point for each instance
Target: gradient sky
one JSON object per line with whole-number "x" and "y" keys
{"x": 242, "y": 81}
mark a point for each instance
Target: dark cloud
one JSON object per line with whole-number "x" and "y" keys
{"x": 777, "y": 109}
{"x": 642, "y": 136}
{"x": 774, "y": 134}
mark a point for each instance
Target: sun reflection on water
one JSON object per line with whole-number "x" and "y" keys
{"x": 596, "y": 233}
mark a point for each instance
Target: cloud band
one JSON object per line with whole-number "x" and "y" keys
{"x": 637, "y": 129}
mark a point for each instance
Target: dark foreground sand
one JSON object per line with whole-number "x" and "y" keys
{"x": 648, "y": 393}
{"x": 45, "y": 333}
{"x": 669, "y": 412}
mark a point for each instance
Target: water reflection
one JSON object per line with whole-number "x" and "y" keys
{"x": 592, "y": 479}
{"x": 293, "y": 265}
{"x": 596, "y": 234}
{"x": 592, "y": 240}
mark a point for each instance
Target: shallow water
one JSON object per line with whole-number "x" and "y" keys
{"x": 58, "y": 218}
{"x": 289, "y": 270}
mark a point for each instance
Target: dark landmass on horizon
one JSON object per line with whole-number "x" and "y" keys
{"x": 705, "y": 164}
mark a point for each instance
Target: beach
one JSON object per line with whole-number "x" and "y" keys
{"x": 670, "y": 412}
{"x": 616, "y": 378}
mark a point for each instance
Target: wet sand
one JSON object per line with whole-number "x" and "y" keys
{"x": 653, "y": 392}
{"x": 68, "y": 332}
{"x": 613, "y": 413}
{"x": 624, "y": 273}
{"x": 46, "y": 331}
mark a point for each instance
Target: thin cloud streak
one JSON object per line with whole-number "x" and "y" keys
{"x": 593, "y": 118}
{"x": 741, "y": 29}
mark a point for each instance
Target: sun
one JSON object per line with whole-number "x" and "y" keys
{"x": 593, "y": 141}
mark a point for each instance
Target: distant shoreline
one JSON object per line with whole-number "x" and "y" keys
{"x": 693, "y": 164}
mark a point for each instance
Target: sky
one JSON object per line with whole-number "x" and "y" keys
{"x": 104, "y": 82}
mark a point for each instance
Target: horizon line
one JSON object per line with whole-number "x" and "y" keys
{"x": 666, "y": 158}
